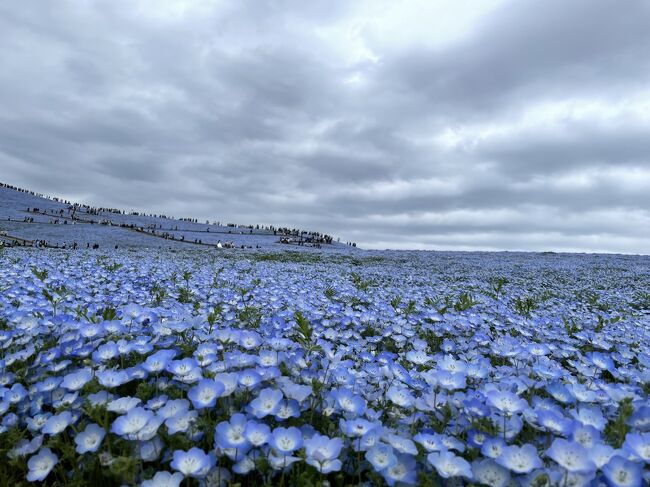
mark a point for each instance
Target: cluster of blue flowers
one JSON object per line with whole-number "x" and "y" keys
{"x": 290, "y": 369}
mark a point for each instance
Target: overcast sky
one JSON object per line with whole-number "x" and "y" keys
{"x": 447, "y": 124}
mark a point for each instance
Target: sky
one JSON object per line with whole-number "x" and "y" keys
{"x": 433, "y": 124}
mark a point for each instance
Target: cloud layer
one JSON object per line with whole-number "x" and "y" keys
{"x": 455, "y": 124}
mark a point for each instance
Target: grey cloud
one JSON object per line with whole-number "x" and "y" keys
{"x": 266, "y": 112}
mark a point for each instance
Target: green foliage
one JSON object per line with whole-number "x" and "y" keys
{"x": 465, "y": 301}
{"x": 304, "y": 333}
{"x": 496, "y": 286}
{"x": 616, "y": 429}
{"x": 360, "y": 283}
{"x": 185, "y": 295}
{"x": 524, "y": 306}
{"x": 40, "y": 274}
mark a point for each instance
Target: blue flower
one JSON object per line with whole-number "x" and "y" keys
{"x": 403, "y": 471}
{"x": 205, "y": 393}
{"x": 349, "y": 402}
{"x": 266, "y": 403}
{"x": 132, "y": 422}
{"x": 519, "y": 459}
{"x": 620, "y": 472}
{"x": 90, "y": 439}
{"x": 257, "y": 433}
{"x": 57, "y": 423}
{"x": 193, "y": 463}
{"x": 74, "y": 381}
{"x": 286, "y": 440}
{"x": 571, "y": 455}
{"x": 41, "y": 464}
{"x": 638, "y": 445}
{"x": 230, "y": 434}
{"x": 506, "y": 402}
{"x": 381, "y": 456}
{"x": 449, "y": 465}
{"x": 488, "y": 472}
{"x": 164, "y": 479}
{"x": 322, "y": 453}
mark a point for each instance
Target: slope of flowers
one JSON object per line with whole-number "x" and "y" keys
{"x": 158, "y": 369}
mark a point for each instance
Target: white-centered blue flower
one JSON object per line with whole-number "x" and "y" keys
{"x": 41, "y": 464}
{"x": 89, "y": 439}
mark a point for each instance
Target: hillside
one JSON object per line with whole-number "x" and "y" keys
{"x": 28, "y": 218}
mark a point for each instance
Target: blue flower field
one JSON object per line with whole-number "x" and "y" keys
{"x": 186, "y": 367}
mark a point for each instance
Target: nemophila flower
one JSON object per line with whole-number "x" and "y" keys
{"x": 89, "y": 439}
{"x": 449, "y": 380}
{"x": 35, "y": 423}
{"x": 57, "y": 423}
{"x": 356, "y": 427}
{"x": 554, "y": 422}
{"x": 257, "y": 433}
{"x": 298, "y": 392}
{"x": 15, "y": 394}
{"x": 132, "y": 422}
{"x": 560, "y": 393}
{"x": 112, "y": 378}
{"x": 157, "y": 361}
{"x": 571, "y": 455}
{"x": 349, "y": 402}
{"x": 402, "y": 472}
{"x": 41, "y": 464}
{"x": 249, "y": 378}
{"x": 48, "y": 384}
{"x": 488, "y": 472}
{"x": 476, "y": 407}
{"x": 230, "y": 434}
{"x": 517, "y": 459}
{"x": 244, "y": 465}
{"x": 173, "y": 407}
{"x": 418, "y": 357}
{"x": 620, "y": 472}
{"x": 381, "y": 456}
{"x": 266, "y": 403}
{"x": 600, "y": 454}
{"x": 289, "y": 408}
{"x": 151, "y": 450}
{"x": 493, "y": 447}
{"x": 193, "y": 463}
{"x": 601, "y": 360}
{"x": 180, "y": 422}
{"x": 590, "y": 415}
{"x": 638, "y": 445}
{"x": 182, "y": 367}
{"x": 449, "y": 465}
{"x": 123, "y": 405}
{"x": 506, "y": 402}
{"x": 476, "y": 438}
{"x": 286, "y": 440}
{"x": 586, "y": 435}
{"x": 164, "y": 479}
{"x": 401, "y": 444}
{"x": 25, "y": 447}
{"x": 74, "y": 381}
{"x": 640, "y": 418}
{"x": 400, "y": 396}
{"x": 205, "y": 393}
{"x": 105, "y": 352}
{"x": 99, "y": 398}
{"x": 229, "y": 381}
{"x": 249, "y": 339}
{"x": 368, "y": 440}
{"x": 322, "y": 453}
{"x": 8, "y": 422}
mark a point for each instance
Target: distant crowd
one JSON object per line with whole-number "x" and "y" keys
{"x": 288, "y": 235}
